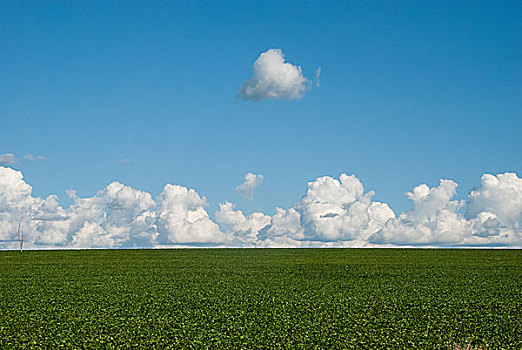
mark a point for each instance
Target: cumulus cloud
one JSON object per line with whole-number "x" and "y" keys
{"x": 246, "y": 189}
{"x": 274, "y": 79}
{"x": 117, "y": 216}
{"x": 7, "y": 159}
{"x": 339, "y": 210}
{"x": 286, "y": 224}
{"x": 241, "y": 230}
{"x": 332, "y": 212}
{"x": 182, "y": 217}
{"x": 436, "y": 219}
{"x": 433, "y": 220}
{"x": 15, "y": 202}
{"x": 501, "y": 195}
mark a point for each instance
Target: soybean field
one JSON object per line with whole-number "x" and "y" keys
{"x": 261, "y": 299}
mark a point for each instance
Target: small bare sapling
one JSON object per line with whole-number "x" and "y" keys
{"x": 20, "y": 236}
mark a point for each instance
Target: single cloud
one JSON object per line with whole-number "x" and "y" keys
{"x": 318, "y": 77}
{"x": 274, "y": 79}
{"x": 29, "y": 156}
{"x": 7, "y": 159}
{"x": 246, "y": 189}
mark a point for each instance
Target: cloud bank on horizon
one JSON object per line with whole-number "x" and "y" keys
{"x": 332, "y": 212}
{"x": 274, "y": 79}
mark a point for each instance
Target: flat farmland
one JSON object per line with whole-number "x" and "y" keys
{"x": 261, "y": 298}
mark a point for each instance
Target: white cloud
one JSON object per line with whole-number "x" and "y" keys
{"x": 49, "y": 223}
{"x": 500, "y": 195}
{"x": 123, "y": 216}
{"x": 339, "y": 210}
{"x": 92, "y": 235}
{"x": 16, "y": 202}
{"x": 117, "y": 216}
{"x": 246, "y": 189}
{"x": 274, "y": 79}
{"x": 14, "y": 191}
{"x": 493, "y": 215}
{"x": 7, "y": 159}
{"x": 182, "y": 217}
{"x": 318, "y": 77}
{"x": 29, "y": 156}
{"x": 433, "y": 220}
{"x": 332, "y": 212}
{"x": 242, "y": 230}
{"x": 286, "y": 224}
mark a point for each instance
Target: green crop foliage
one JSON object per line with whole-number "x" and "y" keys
{"x": 261, "y": 298}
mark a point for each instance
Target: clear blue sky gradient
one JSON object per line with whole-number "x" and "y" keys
{"x": 410, "y": 93}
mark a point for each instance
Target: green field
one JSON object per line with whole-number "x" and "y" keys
{"x": 261, "y": 298}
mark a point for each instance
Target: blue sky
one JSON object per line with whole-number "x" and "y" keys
{"x": 410, "y": 93}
